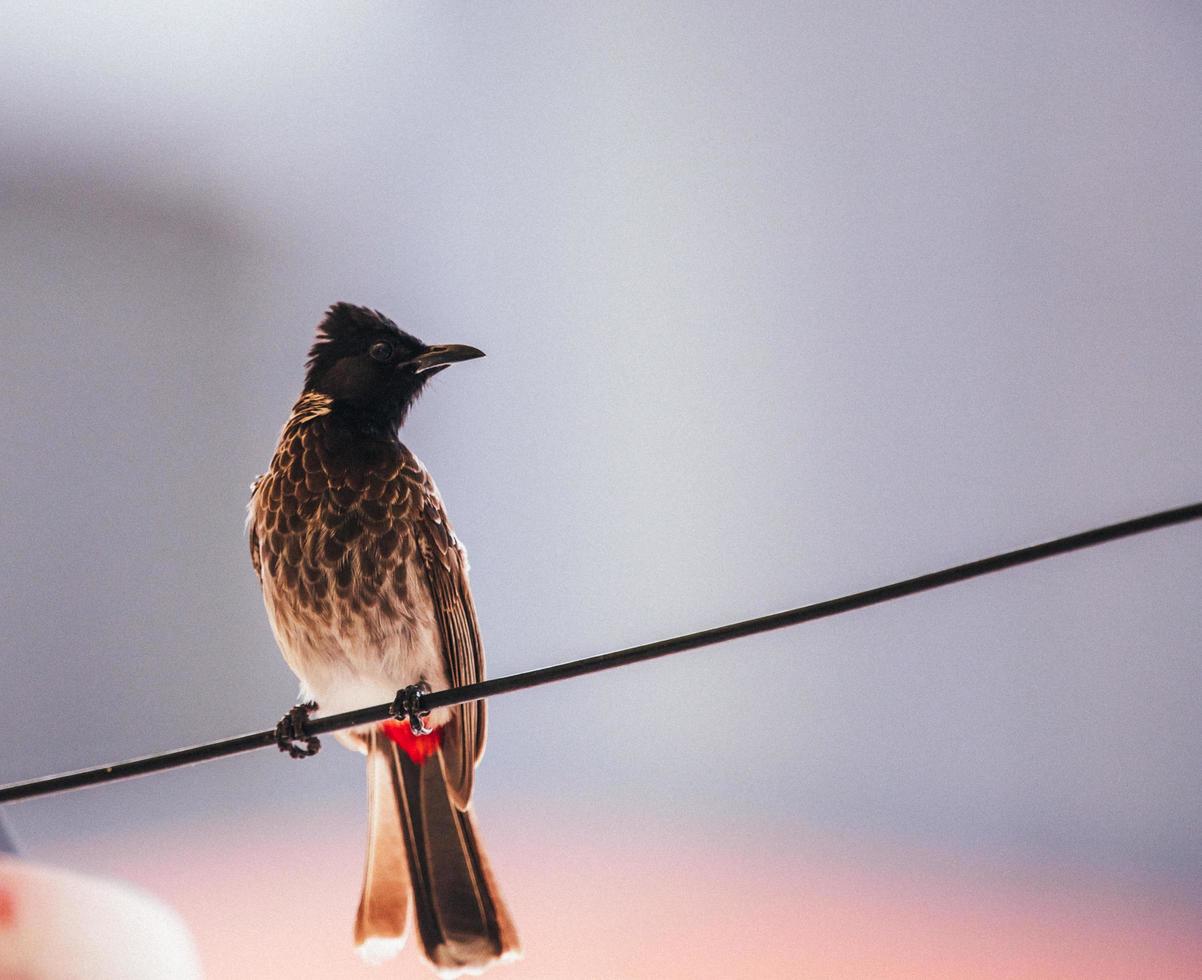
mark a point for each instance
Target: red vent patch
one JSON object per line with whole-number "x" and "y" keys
{"x": 418, "y": 747}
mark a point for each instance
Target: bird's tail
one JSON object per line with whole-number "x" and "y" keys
{"x": 422, "y": 848}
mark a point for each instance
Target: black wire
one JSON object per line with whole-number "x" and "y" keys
{"x": 607, "y": 661}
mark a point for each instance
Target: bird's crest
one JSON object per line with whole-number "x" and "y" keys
{"x": 347, "y": 329}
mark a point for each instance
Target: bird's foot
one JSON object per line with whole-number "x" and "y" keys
{"x": 408, "y": 704}
{"x": 291, "y": 735}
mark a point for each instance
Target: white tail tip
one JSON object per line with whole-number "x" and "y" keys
{"x": 377, "y": 950}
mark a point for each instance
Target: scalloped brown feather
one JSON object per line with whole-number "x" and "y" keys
{"x": 358, "y": 562}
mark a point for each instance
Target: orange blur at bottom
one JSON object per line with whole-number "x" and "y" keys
{"x": 648, "y": 900}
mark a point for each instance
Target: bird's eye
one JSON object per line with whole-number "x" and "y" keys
{"x": 381, "y": 350}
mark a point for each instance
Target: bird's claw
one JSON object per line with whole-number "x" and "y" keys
{"x": 408, "y": 704}
{"x": 291, "y": 735}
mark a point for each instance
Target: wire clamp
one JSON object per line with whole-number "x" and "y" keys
{"x": 291, "y": 734}
{"x": 408, "y": 704}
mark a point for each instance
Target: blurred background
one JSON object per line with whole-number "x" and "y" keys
{"x": 781, "y": 301}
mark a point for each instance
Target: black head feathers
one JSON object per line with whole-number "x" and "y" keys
{"x": 348, "y": 330}
{"x": 372, "y": 370}
{"x": 343, "y": 320}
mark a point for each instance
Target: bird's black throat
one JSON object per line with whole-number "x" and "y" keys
{"x": 377, "y": 421}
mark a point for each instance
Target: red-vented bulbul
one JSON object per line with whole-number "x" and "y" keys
{"x": 367, "y": 591}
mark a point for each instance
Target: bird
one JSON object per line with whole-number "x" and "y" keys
{"x": 366, "y": 590}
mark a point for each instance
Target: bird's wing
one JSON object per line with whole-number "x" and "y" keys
{"x": 252, "y": 531}
{"x": 445, "y": 566}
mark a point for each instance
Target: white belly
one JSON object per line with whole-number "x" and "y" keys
{"x": 349, "y": 660}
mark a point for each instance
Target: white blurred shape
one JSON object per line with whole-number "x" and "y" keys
{"x": 57, "y": 924}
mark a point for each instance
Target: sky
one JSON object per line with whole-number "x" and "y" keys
{"x": 780, "y": 302}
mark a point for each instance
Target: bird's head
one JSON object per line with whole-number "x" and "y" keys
{"x": 363, "y": 360}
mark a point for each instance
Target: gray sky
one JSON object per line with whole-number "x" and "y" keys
{"x": 781, "y": 301}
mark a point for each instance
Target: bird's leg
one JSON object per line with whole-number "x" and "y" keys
{"x": 408, "y": 704}
{"x": 291, "y": 735}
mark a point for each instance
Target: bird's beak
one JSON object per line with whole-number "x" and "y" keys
{"x": 440, "y": 355}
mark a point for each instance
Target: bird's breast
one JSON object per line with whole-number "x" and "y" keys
{"x": 336, "y": 522}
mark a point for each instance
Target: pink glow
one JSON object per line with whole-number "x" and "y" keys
{"x": 658, "y": 904}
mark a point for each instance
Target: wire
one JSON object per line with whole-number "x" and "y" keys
{"x": 607, "y": 661}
